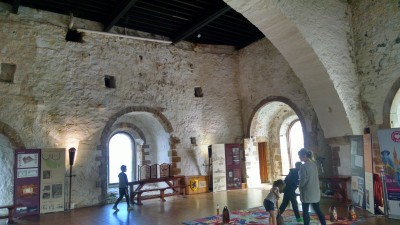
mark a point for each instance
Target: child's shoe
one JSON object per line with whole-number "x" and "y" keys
{"x": 300, "y": 220}
{"x": 115, "y": 208}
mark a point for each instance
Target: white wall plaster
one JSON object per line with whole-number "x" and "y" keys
{"x": 376, "y": 26}
{"x": 59, "y": 94}
{"x": 6, "y": 172}
{"x": 314, "y": 56}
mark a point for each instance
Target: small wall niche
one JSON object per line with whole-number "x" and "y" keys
{"x": 74, "y": 36}
{"x": 198, "y": 92}
{"x": 7, "y": 72}
{"x": 193, "y": 141}
{"x": 109, "y": 81}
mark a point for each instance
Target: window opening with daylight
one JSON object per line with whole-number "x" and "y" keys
{"x": 395, "y": 111}
{"x": 120, "y": 152}
{"x": 296, "y": 142}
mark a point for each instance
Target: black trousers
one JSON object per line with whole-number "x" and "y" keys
{"x": 290, "y": 196}
{"x": 123, "y": 192}
{"x": 306, "y": 214}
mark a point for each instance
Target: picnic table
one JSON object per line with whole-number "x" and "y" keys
{"x": 174, "y": 183}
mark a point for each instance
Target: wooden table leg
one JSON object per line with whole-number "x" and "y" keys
{"x": 344, "y": 188}
{"x": 10, "y": 215}
{"x": 162, "y": 194}
{"x": 139, "y": 199}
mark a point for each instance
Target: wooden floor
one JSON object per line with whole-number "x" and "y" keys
{"x": 175, "y": 210}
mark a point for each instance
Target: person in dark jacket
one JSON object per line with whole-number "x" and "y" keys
{"x": 289, "y": 193}
{"x": 123, "y": 188}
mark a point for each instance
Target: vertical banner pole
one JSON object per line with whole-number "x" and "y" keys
{"x": 385, "y": 201}
{"x": 70, "y": 187}
{"x": 71, "y": 152}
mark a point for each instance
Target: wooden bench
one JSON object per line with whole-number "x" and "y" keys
{"x": 177, "y": 190}
{"x": 139, "y": 197}
{"x": 172, "y": 182}
{"x": 10, "y": 213}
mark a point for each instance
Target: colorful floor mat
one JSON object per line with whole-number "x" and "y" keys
{"x": 258, "y": 216}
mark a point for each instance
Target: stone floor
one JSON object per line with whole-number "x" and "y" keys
{"x": 175, "y": 210}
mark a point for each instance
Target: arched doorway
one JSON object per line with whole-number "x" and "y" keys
{"x": 121, "y": 151}
{"x": 272, "y": 126}
{"x": 148, "y": 133}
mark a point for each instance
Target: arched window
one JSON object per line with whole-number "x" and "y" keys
{"x": 121, "y": 148}
{"x": 296, "y": 141}
{"x": 395, "y": 111}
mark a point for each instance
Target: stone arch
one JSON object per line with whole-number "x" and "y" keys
{"x": 387, "y": 104}
{"x": 13, "y": 141}
{"x": 279, "y": 111}
{"x": 278, "y": 99}
{"x": 304, "y": 61}
{"x": 156, "y": 113}
{"x": 107, "y": 131}
{"x": 12, "y": 135}
{"x": 131, "y": 127}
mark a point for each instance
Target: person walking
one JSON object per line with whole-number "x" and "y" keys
{"x": 309, "y": 187}
{"x": 289, "y": 193}
{"x": 123, "y": 189}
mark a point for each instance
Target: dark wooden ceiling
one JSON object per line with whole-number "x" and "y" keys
{"x": 197, "y": 21}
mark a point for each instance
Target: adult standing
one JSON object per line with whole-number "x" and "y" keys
{"x": 309, "y": 187}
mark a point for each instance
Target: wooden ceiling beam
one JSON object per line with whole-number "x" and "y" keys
{"x": 200, "y": 24}
{"x": 118, "y": 13}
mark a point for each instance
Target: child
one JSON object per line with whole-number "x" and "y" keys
{"x": 123, "y": 188}
{"x": 272, "y": 198}
{"x": 289, "y": 193}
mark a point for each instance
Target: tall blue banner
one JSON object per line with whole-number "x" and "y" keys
{"x": 389, "y": 143}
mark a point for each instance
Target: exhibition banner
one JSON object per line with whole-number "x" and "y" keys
{"x": 219, "y": 167}
{"x": 53, "y": 180}
{"x": 357, "y": 171}
{"x": 368, "y": 164}
{"x": 27, "y": 182}
{"x": 233, "y": 166}
{"x": 389, "y": 143}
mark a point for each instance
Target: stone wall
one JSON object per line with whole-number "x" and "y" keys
{"x": 316, "y": 40}
{"x": 52, "y": 92}
{"x": 262, "y": 62}
{"x": 6, "y": 171}
{"x": 376, "y": 26}
{"x": 58, "y": 96}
